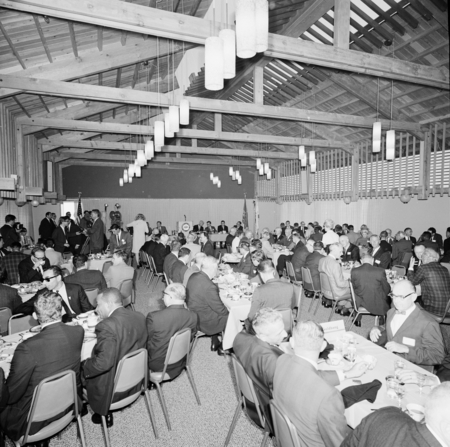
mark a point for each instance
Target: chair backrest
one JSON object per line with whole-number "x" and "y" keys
{"x": 285, "y": 431}
{"x": 153, "y": 265}
{"x": 325, "y": 286}
{"x": 150, "y": 262}
{"x": 352, "y": 293}
{"x": 446, "y": 265}
{"x": 131, "y": 371}
{"x": 220, "y": 258}
{"x": 446, "y": 313}
{"x": 167, "y": 279}
{"x": 106, "y": 267}
{"x": 179, "y": 347}
{"x": 401, "y": 271}
{"x": 307, "y": 280}
{"x": 142, "y": 258}
{"x": 5, "y": 315}
{"x": 291, "y": 271}
{"x": 126, "y": 290}
{"x": 53, "y": 396}
{"x": 21, "y": 322}
{"x": 92, "y": 296}
{"x": 228, "y": 248}
{"x": 287, "y": 319}
{"x": 406, "y": 258}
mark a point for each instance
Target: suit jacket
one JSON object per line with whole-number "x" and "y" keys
{"x": 245, "y": 265}
{"x": 198, "y": 228}
{"x": 207, "y": 248}
{"x": 27, "y": 273}
{"x": 371, "y": 288}
{"x": 299, "y": 260}
{"x": 421, "y": 327}
{"x": 274, "y": 293}
{"x": 390, "y": 427}
{"x": 149, "y": 247}
{"x": 71, "y": 230}
{"x": 229, "y": 239}
{"x": 316, "y": 237}
{"x": 221, "y": 228}
{"x": 125, "y": 242}
{"x": 412, "y": 239}
{"x": 282, "y": 240}
{"x": 202, "y": 297}
{"x": 430, "y": 244}
{"x": 60, "y": 238}
{"x": 438, "y": 239}
{"x": 97, "y": 234}
{"x": 9, "y": 235}
{"x": 78, "y": 300}
{"x": 178, "y": 271}
{"x": 398, "y": 249}
{"x": 386, "y": 246}
{"x": 312, "y": 263}
{"x": 124, "y": 331}
{"x": 46, "y": 228}
{"x": 118, "y": 273}
{"x": 351, "y": 253}
{"x": 168, "y": 264}
{"x": 315, "y": 407}
{"x": 161, "y": 326}
{"x": 159, "y": 253}
{"x": 55, "y": 349}
{"x": 382, "y": 258}
{"x": 54, "y": 257}
{"x": 188, "y": 273}
{"x": 333, "y": 270}
{"x": 87, "y": 279}
{"x": 10, "y": 298}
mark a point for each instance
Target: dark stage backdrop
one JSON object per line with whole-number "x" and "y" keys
{"x": 93, "y": 181}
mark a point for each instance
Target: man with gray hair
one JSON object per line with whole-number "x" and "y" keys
{"x": 434, "y": 280}
{"x": 171, "y": 258}
{"x": 381, "y": 256}
{"x": 391, "y": 427}
{"x": 160, "y": 252}
{"x": 351, "y": 252}
{"x": 163, "y": 324}
{"x": 180, "y": 267}
{"x": 314, "y": 406}
{"x": 401, "y": 247}
{"x": 195, "y": 266}
{"x": 55, "y": 349}
{"x": 191, "y": 245}
{"x": 330, "y": 237}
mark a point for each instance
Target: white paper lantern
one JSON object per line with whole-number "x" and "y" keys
{"x": 215, "y": 180}
{"x": 121, "y": 182}
{"x": 238, "y": 174}
{"x": 168, "y": 132}
{"x": 149, "y": 150}
{"x": 269, "y": 174}
{"x": 301, "y": 152}
{"x": 258, "y": 163}
{"x": 239, "y": 181}
{"x": 266, "y": 168}
{"x": 131, "y": 170}
{"x": 219, "y": 184}
{"x": 390, "y": 144}
{"x": 136, "y": 163}
{"x": 138, "y": 172}
{"x": 262, "y": 25}
{"x": 130, "y": 180}
{"x": 35, "y": 202}
{"x": 313, "y": 166}
{"x": 312, "y": 156}
{"x": 214, "y": 63}
{"x": 303, "y": 161}
{"x": 376, "y": 137}
{"x": 159, "y": 135}
{"x": 125, "y": 176}
{"x": 174, "y": 118}
{"x": 245, "y": 28}
{"x": 230, "y": 171}
{"x": 184, "y": 111}
{"x": 228, "y": 37}
{"x": 261, "y": 170}
{"x": 141, "y": 157}
{"x": 233, "y": 177}
{"x": 211, "y": 176}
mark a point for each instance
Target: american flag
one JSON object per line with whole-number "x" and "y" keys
{"x": 245, "y": 214}
{"x": 79, "y": 208}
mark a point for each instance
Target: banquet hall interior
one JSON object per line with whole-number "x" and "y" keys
{"x": 262, "y": 133}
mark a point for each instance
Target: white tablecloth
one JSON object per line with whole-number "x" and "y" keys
{"x": 239, "y": 310}
{"x": 217, "y": 237}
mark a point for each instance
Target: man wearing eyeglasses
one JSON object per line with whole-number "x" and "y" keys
{"x": 410, "y": 331}
{"x": 32, "y": 268}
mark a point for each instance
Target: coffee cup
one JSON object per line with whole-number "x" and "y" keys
{"x": 334, "y": 358}
{"x": 416, "y": 411}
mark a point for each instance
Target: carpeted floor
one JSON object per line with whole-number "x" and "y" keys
{"x": 192, "y": 425}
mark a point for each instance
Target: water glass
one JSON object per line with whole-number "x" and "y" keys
{"x": 398, "y": 366}
{"x": 351, "y": 353}
{"x": 400, "y": 392}
{"x": 421, "y": 381}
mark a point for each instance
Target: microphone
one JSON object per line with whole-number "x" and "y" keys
{"x": 184, "y": 216}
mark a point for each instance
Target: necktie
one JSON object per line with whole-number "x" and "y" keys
{"x": 400, "y": 312}
{"x": 202, "y": 245}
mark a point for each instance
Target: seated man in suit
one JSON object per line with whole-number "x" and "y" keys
{"x": 381, "y": 256}
{"x": 55, "y": 349}
{"x": 300, "y": 255}
{"x": 384, "y": 242}
{"x": 171, "y": 258}
{"x": 119, "y": 271}
{"x": 351, "y": 252}
{"x": 230, "y": 237}
{"x": 120, "y": 240}
{"x": 160, "y": 228}
{"x": 149, "y": 246}
{"x": 436, "y": 237}
{"x": 9, "y": 297}
{"x": 88, "y": 279}
{"x": 160, "y": 251}
{"x": 371, "y": 288}
{"x": 313, "y": 405}
{"x": 199, "y": 227}
{"x": 408, "y": 235}
{"x": 53, "y": 256}
{"x": 317, "y": 235}
{"x": 163, "y": 324}
{"x": 202, "y": 297}
{"x": 196, "y": 266}
{"x": 180, "y": 267}
{"x": 312, "y": 262}
{"x": 209, "y": 228}
{"x": 400, "y": 247}
{"x": 410, "y": 331}
{"x": 222, "y": 228}
{"x": 206, "y": 245}
{"x": 32, "y": 268}
{"x": 120, "y": 332}
{"x": 245, "y": 264}
{"x": 391, "y": 427}
{"x": 280, "y": 238}
{"x": 11, "y": 263}
{"x": 416, "y": 260}
{"x": 74, "y": 300}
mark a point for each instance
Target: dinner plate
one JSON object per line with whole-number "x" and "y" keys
{"x": 36, "y": 329}
{"x": 84, "y": 315}
{"x": 28, "y": 335}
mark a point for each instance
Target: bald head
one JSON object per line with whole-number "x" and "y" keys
{"x": 418, "y": 250}
{"x": 437, "y": 411}
{"x": 198, "y": 259}
{"x": 374, "y": 241}
{"x": 345, "y": 242}
{"x": 209, "y": 266}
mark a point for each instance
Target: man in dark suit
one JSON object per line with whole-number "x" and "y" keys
{"x": 180, "y": 267}
{"x": 60, "y": 237}
{"x": 312, "y": 263}
{"x": 245, "y": 264}
{"x": 391, "y": 427}
{"x": 206, "y": 245}
{"x": 163, "y": 324}
{"x": 401, "y": 247}
{"x": 202, "y": 297}
{"x": 8, "y": 232}
{"x": 75, "y": 237}
{"x": 351, "y": 252}
{"x": 298, "y": 242}
{"x": 317, "y": 235}
{"x": 11, "y": 263}
{"x": 408, "y": 235}
{"x": 160, "y": 251}
{"x": 171, "y": 258}
{"x": 149, "y": 246}
{"x": 160, "y": 229}
{"x": 32, "y": 268}
{"x": 120, "y": 240}
{"x": 199, "y": 227}
{"x": 120, "y": 332}
{"x": 280, "y": 238}
{"x": 96, "y": 233}
{"x": 222, "y": 228}
{"x": 9, "y": 298}
{"x": 87, "y": 279}
{"x": 74, "y": 300}
{"x": 209, "y": 228}
{"x": 55, "y": 349}
{"x": 299, "y": 257}
{"x": 371, "y": 288}
{"x": 381, "y": 257}
{"x": 410, "y": 331}
{"x": 384, "y": 243}
{"x": 46, "y": 227}
{"x": 427, "y": 242}
{"x": 436, "y": 237}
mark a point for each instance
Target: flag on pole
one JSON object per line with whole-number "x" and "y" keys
{"x": 79, "y": 208}
{"x": 245, "y": 214}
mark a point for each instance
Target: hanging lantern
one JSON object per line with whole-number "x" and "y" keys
{"x": 301, "y": 152}
{"x": 245, "y": 28}
{"x": 141, "y": 157}
{"x": 211, "y": 176}
{"x": 138, "y": 171}
{"x": 125, "y": 176}
{"x": 239, "y": 181}
{"x": 215, "y": 180}
{"x": 266, "y": 168}
{"x": 121, "y": 181}
{"x": 168, "y": 132}
{"x": 130, "y": 180}
{"x": 313, "y": 165}
{"x": 174, "y": 118}
{"x": 376, "y": 137}
{"x": 258, "y": 163}
{"x": 184, "y": 111}
{"x": 238, "y": 174}
{"x": 312, "y": 157}
{"x": 214, "y": 65}
{"x": 390, "y": 144}
{"x": 230, "y": 171}
{"x": 35, "y": 202}
{"x": 131, "y": 170}
{"x": 261, "y": 170}
{"x": 233, "y": 176}
{"x": 149, "y": 150}
{"x": 219, "y": 184}
{"x": 262, "y": 25}
{"x": 303, "y": 161}
{"x": 269, "y": 174}
{"x": 159, "y": 135}
{"x": 228, "y": 37}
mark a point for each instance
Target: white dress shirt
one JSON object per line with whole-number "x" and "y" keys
{"x": 399, "y": 319}
{"x": 375, "y": 250}
{"x": 235, "y": 244}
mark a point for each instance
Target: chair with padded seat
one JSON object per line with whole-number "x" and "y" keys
{"x": 291, "y": 274}
{"x": 20, "y": 323}
{"x": 5, "y": 315}
{"x": 358, "y": 310}
{"x": 308, "y": 286}
{"x": 327, "y": 292}
{"x": 401, "y": 271}
{"x": 155, "y": 273}
{"x": 144, "y": 266}
{"x": 445, "y": 317}
{"x": 406, "y": 258}
{"x": 92, "y": 296}
{"x": 106, "y": 267}
{"x": 246, "y": 396}
{"x": 180, "y": 346}
{"x": 288, "y": 319}
{"x": 285, "y": 431}
{"x": 52, "y": 397}
{"x": 126, "y": 288}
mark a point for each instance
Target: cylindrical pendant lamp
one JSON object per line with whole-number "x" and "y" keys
{"x": 159, "y": 135}
{"x": 390, "y": 144}
{"x": 219, "y": 184}
{"x": 258, "y": 163}
{"x": 230, "y": 171}
{"x": 312, "y": 156}
{"x": 262, "y": 25}
{"x": 269, "y": 174}
{"x": 228, "y": 37}
{"x": 376, "y": 137}
{"x": 214, "y": 63}
{"x": 301, "y": 152}
{"x": 233, "y": 176}
{"x": 174, "y": 118}
{"x": 303, "y": 161}
{"x": 266, "y": 168}
{"x": 125, "y": 176}
{"x": 261, "y": 170}
{"x": 215, "y": 180}
{"x": 131, "y": 169}
{"x": 211, "y": 176}
{"x": 130, "y": 180}
{"x": 240, "y": 181}
{"x": 121, "y": 181}
{"x": 313, "y": 165}
{"x": 149, "y": 150}
{"x": 141, "y": 157}
{"x": 168, "y": 132}
{"x": 184, "y": 112}
{"x": 245, "y": 28}
{"x": 138, "y": 172}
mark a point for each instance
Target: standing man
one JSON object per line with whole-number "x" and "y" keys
{"x": 75, "y": 236}
{"x": 59, "y": 236}
{"x": 96, "y": 232}
{"x": 120, "y": 240}
{"x": 86, "y": 221}
{"x": 8, "y": 233}
{"x": 160, "y": 252}
{"x": 46, "y": 227}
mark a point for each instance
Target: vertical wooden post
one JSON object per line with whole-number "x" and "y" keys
{"x": 424, "y": 169}
{"x": 309, "y": 185}
{"x": 258, "y": 85}
{"x": 355, "y": 174}
{"x": 21, "y": 196}
{"x": 218, "y": 122}
{"x": 194, "y": 140}
{"x": 342, "y": 24}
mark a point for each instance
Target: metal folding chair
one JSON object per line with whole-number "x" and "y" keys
{"x": 291, "y": 274}
{"x": 308, "y": 286}
{"x": 92, "y": 296}
{"x": 328, "y": 293}
{"x": 126, "y": 288}
{"x": 285, "y": 431}
{"x": 155, "y": 273}
{"x": 106, "y": 267}
{"x": 358, "y": 310}
{"x": 20, "y": 323}
{"x": 401, "y": 271}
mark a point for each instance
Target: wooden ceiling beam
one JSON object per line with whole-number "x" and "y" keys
{"x": 170, "y": 25}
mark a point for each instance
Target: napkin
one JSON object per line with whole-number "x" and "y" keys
{"x": 358, "y": 393}
{"x": 324, "y": 354}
